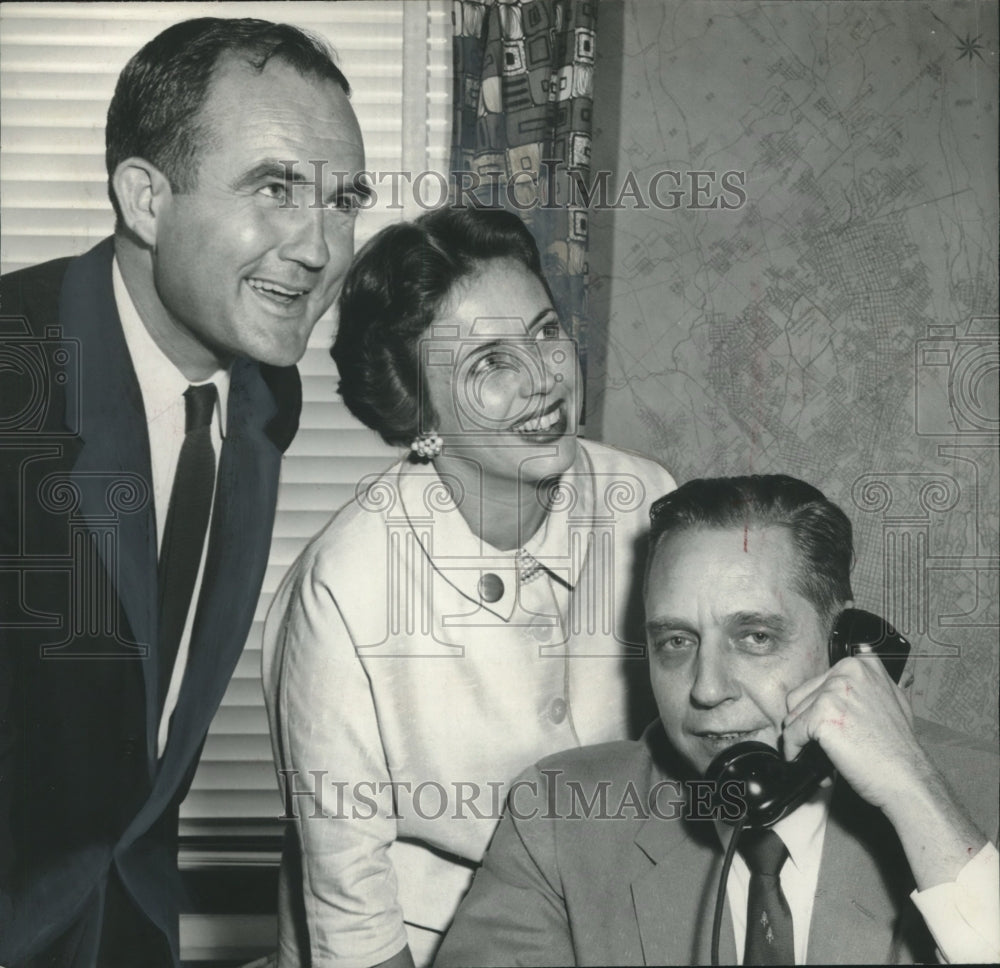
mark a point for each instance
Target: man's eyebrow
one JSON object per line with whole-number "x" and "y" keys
{"x": 771, "y": 620}
{"x": 270, "y": 169}
{"x": 359, "y": 187}
{"x": 667, "y": 622}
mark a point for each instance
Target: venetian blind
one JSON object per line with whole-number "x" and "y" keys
{"x": 58, "y": 66}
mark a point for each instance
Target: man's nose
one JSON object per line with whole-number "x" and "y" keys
{"x": 305, "y": 241}
{"x": 713, "y": 680}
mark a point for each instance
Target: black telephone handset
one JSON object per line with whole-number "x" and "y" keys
{"x": 774, "y": 787}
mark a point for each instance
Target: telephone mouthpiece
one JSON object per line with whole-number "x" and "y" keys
{"x": 771, "y": 787}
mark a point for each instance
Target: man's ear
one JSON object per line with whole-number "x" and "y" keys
{"x": 143, "y": 193}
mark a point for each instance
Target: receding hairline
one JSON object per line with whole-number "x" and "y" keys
{"x": 234, "y": 62}
{"x": 241, "y": 60}
{"x": 693, "y": 527}
{"x": 796, "y": 567}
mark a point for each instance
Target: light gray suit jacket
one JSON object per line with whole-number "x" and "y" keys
{"x": 618, "y": 888}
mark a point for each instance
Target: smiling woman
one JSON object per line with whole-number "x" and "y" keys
{"x": 470, "y": 611}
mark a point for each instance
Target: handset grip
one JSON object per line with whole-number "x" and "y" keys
{"x": 857, "y": 632}
{"x": 774, "y": 788}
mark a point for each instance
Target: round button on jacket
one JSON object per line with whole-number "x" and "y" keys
{"x": 491, "y": 587}
{"x": 557, "y": 710}
{"x": 541, "y": 630}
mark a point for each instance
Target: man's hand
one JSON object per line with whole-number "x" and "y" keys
{"x": 862, "y": 720}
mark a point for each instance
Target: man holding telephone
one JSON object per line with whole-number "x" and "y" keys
{"x": 607, "y": 855}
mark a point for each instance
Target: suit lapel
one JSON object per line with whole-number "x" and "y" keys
{"x": 859, "y": 914}
{"x": 675, "y": 898}
{"x": 863, "y": 886}
{"x": 110, "y": 463}
{"x": 239, "y": 540}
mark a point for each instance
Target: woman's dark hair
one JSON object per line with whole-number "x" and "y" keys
{"x": 155, "y": 111}
{"x": 820, "y": 531}
{"x": 394, "y": 290}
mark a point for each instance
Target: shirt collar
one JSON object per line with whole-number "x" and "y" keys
{"x": 571, "y": 507}
{"x": 801, "y": 831}
{"x": 463, "y": 559}
{"x": 159, "y": 379}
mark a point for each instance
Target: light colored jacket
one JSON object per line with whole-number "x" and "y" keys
{"x": 598, "y": 870}
{"x": 407, "y": 700}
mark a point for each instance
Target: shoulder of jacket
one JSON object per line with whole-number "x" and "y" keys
{"x": 971, "y": 767}
{"x": 355, "y": 535}
{"x": 616, "y": 763}
{"x": 33, "y": 293}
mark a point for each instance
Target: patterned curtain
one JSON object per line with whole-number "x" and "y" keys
{"x": 522, "y": 127}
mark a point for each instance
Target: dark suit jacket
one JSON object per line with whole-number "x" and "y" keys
{"x": 81, "y": 789}
{"x": 619, "y": 888}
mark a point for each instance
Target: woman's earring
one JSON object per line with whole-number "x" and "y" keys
{"x": 426, "y": 446}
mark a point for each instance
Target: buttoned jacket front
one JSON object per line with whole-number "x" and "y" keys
{"x": 411, "y": 675}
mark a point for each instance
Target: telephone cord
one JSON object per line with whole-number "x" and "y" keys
{"x": 720, "y": 897}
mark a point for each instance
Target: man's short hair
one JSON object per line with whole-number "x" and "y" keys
{"x": 392, "y": 293}
{"x": 819, "y": 530}
{"x": 155, "y": 111}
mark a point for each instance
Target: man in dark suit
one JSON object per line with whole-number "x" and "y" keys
{"x": 611, "y": 855}
{"x": 150, "y": 390}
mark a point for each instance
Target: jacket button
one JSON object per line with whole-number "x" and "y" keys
{"x": 129, "y": 746}
{"x": 541, "y": 630}
{"x": 491, "y": 587}
{"x": 557, "y": 710}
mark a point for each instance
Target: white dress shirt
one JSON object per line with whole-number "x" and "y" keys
{"x": 162, "y": 386}
{"x": 963, "y": 915}
{"x": 802, "y": 833}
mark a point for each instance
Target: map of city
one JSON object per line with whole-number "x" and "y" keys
{"x": 841, "y": 325}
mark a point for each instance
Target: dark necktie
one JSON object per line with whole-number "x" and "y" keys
{"x": 187, "y": 522}
{"x": 769, "y": 939}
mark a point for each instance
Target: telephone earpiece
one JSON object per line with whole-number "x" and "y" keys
{"x": 774, "y": 787}
{"x": 857, "y": 631}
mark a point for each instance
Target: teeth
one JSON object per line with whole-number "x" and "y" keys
{"x": 544, "y": 422}
{"x": 274, "y": 289}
